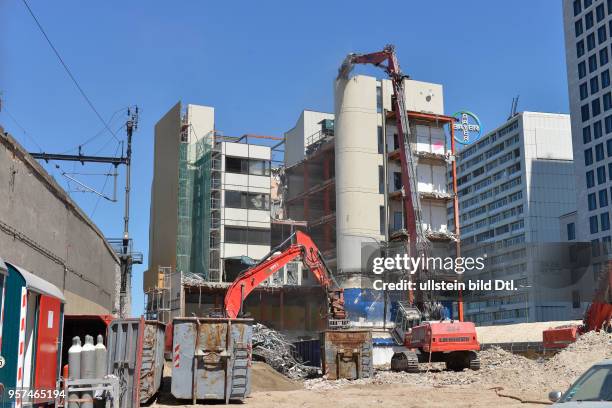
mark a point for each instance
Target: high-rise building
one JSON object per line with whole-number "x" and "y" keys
{"x": 513, "y": 185}
{"x": 588, "y": 40}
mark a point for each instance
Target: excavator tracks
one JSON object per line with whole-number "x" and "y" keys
{"x": 405, "y": 361}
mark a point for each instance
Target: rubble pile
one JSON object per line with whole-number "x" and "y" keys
{"x": 590, "y": 348}
{"x": 273, "y": 348}
{"x": 500, "y": 368}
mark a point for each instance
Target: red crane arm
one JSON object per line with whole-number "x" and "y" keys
{"x": 303, "y": 247}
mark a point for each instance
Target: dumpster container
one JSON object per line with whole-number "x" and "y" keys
{"x": 346, "y": 354}
{"x": 136, "y": 355}
{"x": 211, "y": 358}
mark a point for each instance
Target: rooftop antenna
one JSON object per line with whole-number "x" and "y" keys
{"x": 514, "y": 107}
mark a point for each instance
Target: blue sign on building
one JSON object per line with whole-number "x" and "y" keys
{"x": 467, "y": 127}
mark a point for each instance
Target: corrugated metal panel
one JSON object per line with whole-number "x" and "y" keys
{"x": 212, "y": 358}
{"x": 136, "y": 356}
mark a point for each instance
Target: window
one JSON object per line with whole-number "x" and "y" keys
{"x": 610, "y": 171}
{"x": 604, "y": 219}
{"x": 601, "y": 175}
{"x": 603, "y": 198}
{"x": 381, "y": 180}
{"x": 594, "y": 84}
{"x": 382, "y": 219}
{"x": 588, "y": 157}
{"x": 588, "y": 20}
{"x": 601, "y": 34}
{"x": 398, "y": 222}
{"x": 581, "y": 70}
{"x": 583, "y": 91}
{"x": 609, "y": 147}
{"x": 609, "y": 6}
{"x": 577, "y": 7}
{"x": 592, "y": 201}
{"x": 590, "y": 178}
{"x": 395, "y": 141}
{"x": 605, "y": 78}
{"x": 576, "y": 299}
{"x": 607, "y": 101}
{"x": 584, "y": 110}
{"x": 571, "y": 231}
{"x": 590, "y": 40}
{"x": 247, "y": 200}
{"x": 247, "y": 166}
{"x": 397, "y": 180}
{"x": 608, "y": 123}
{"x": 597, "y": 129}
{"x": 593, "y": 226}
{"x": 592, "y": 63}
{"x": 578, "y": 27}
{"x": 249, "y": 236}
{"x": 579, "y": 48}
{"x": 600, "y": 13}
{"x": 586, "y": 132}
{"x": 595, "y": 107}
{"x": 381, "y": 141}
{"x": 259, "y": 167}
{"x": 603, "y": 56}
{"x": 587, "y": 4}
{"x": 379, "y": 104}
{"x": 599, "y": 152}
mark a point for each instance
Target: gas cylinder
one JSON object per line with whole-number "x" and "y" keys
{"x": 100, "y": 357}
{"x": 74, "y": 368}
{"x": 88, "y": 369}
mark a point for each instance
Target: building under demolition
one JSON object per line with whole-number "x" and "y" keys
{"x": 218, "y": 207}
{"x": 344, "y": 179}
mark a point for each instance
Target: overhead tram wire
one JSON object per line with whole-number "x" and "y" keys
{"x": 76, "y": 83}
{"x": 105, "y": 182}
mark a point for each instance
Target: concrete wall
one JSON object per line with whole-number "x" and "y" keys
{"x": 163, "y": 222}
{"x": 296, "y": 138}
{"x": 43, "y": 230}
{"x": 358, "y": 198}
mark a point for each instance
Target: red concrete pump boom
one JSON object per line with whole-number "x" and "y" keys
{"x": 301, "y": 245}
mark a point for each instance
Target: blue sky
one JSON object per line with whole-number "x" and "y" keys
{"x": 259, "y": 63}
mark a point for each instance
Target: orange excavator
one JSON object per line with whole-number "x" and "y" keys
{"x": 598, "y": 316}
{"x": 420, "y": 333}
{"x": 298, "y": 245}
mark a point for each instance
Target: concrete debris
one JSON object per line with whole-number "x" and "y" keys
{"x": 500, "y": 368}
{"x": 272, "y": 347}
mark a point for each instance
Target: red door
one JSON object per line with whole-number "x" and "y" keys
{"x": 47, "y": 343}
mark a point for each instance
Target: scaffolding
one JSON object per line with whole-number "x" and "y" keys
{"x": 157, "y": 300}
{"x": 195, "y": 200}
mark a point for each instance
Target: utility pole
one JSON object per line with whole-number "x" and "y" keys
{"x": 121, "y": 246}
{"x": 126, "y": 254}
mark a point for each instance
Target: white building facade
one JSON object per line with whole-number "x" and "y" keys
{"x": 513, "y": 185}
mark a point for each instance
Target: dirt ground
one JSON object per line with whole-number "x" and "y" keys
{"x": 388, "y": 396}
{"x": 503, "y": 381}
{"x": 272, "y": 390}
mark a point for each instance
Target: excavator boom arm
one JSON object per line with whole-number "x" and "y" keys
{"x": 303, "y": 247}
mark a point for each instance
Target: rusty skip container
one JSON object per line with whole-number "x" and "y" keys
{"x": 346, "y": 354}
{"x": 136, "y": 355}
{"x": 211, "y": 358}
